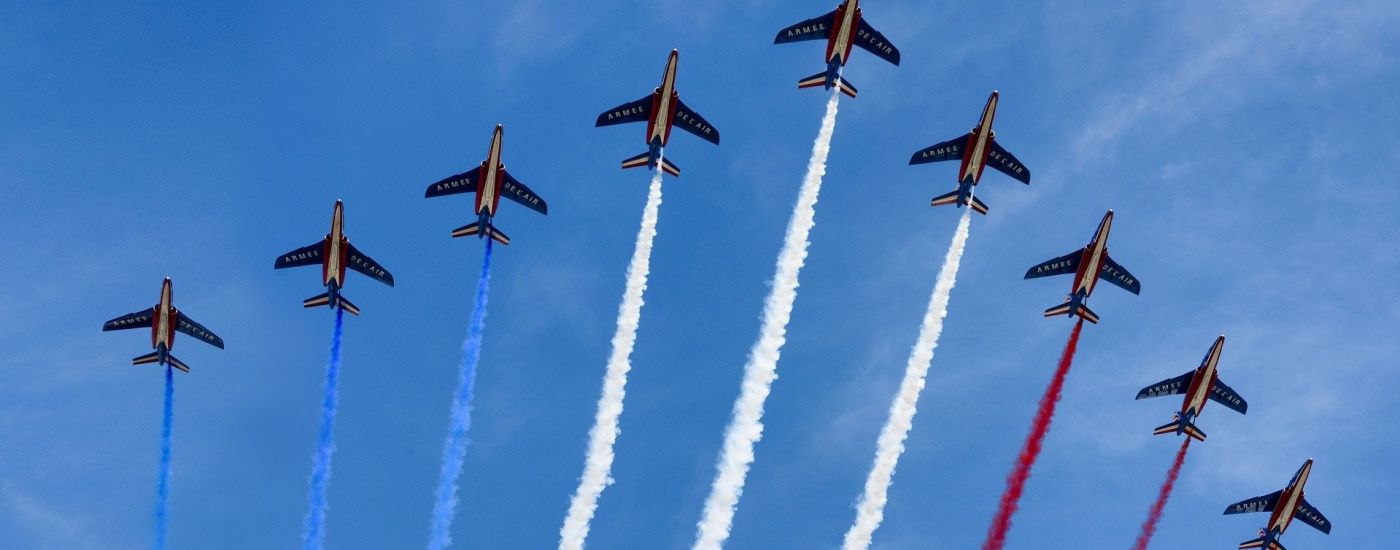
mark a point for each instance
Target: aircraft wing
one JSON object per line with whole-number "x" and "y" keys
{"x": 692, "y": 122}
{"x": 140, "y": 319}
{"x": 1114, "y": 273}
{"x": 1222, "y": 394}
{"x": 872, "y": 41}
{"x": 948, "y": 150}
{"x": 816, "y": 28}
{"x": 1006, "y": 163}
{"x": 306, "y": 255}
{"x": 464, "y": 182}
{"x": 1063, "y": 265}
{"x": 188, "y": 326}
{"x": 358, "y": 261}
{"x": 516, "y": 191}
{"x": 1309, "y": 515}
{"x": 1170, "y": 386}
{"x": 636, "y": 111}
{"x": 1264, "y": 503}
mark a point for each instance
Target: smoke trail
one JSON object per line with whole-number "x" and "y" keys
{"x": 163, "y": 473}
{"x": 746, "y": 425}
{"x": 314, "y": 527}
{"x": 871, "y": 509}
{"x": 454, "y": 450}
{"x": 1154, "y": 514}
{"x": 1016, "y": 482}
{"x": 598, "y": 465}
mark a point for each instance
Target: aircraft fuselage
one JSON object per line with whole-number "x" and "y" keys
{"x": 1092, "y": 261}
{"x": 978, "y": 144}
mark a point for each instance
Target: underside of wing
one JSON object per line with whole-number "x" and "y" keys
{"x": 692, "y": 122}
{"x": 872, "y": 41}
{"x": 190, "y": 327}
{"x": 948, "y": 150}
{"x": 1063, "y": 265}
{"x": 464, "y": 182}
{"x": 1170, "y": 386}
{"x": 1264, "y": 503}
{"x": 1116, "y": 274}
{"x": 518, "y": 192}
{"x": 358, "y": 261}
{"x": 306, "y": 255}
{"x": 816, "y": 28}
{"x": 1006, "y": 163}
{"x": 635, "y": 111}
{"x": 140, "y": 319}
{"x": 1224, "y": 395}
{"x": 1306, "y": 513}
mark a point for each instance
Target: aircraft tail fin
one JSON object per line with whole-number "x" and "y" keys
{"x": 1260, "y": 543}
{"x": 1081, "y": 310}
{"x": 1185, "y": 427}
{"x": 474, "y": 228}
{"x": 954, "y": 197}
{"x": 644, "y": 159}
{"x": 324, "y": 299}
{"x": 821, "y": 79}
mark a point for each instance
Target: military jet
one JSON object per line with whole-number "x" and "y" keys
{"x": 974, "y": 149}
{"x": 661, "y": 110}
{"x": 842, "y": 28}
{"x": 334, "y": 253}
{"x": 1285, "y": 506}
{"x": 1198, "y": 385}
{"x": 164, "y": 320}
{"x": 1088, "y": 265}
{"x": 490, "y": 182}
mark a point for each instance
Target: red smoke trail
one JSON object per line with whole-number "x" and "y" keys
{"x": 1016, "y": 482}
{"x": 1155, "y": 513}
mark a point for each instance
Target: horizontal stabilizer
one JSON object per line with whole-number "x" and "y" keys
{"x": 1082, "y": 311}
{"x": 820, "y": 79}
{"x": 979, "y": 206}
{"x": 1259, "y": 543}
{"x": 1171, "y": 428}
{"x": 945, "y": 199}
{"x": 637, "y": 161}
{"x": 324, "y": 299}
{"x": 146, "y": 359}
{"x": 467, "y": 230}
{"x": 177, "y": 363}
{"x": 669, "y": 168}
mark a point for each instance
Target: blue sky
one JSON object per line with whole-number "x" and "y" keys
{"x": 1247, "y": 149}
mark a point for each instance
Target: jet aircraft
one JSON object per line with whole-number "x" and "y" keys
{"x": 661, "y": 109}
{"x": 334, "y": 253}
{"x": 974, "y": 150}
{"x": 1198, "y": 385}
{"x": 1088, "y": 266}
{"x": 842, "y": 28}
{"x": 490, "y": 182}
{"x": 163, "y": 320}
{"x": 1285, "y": 506}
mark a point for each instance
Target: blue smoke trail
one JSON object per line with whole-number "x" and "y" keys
{"x": 455, "y": 449}
{"x": 314, "y": 528}
{"x": 163, "y": 474}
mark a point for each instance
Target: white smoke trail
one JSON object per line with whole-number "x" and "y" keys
{"x": 746, "y": 425}
{"x": 871, "y": 509}
{"x": 598, "y": 465}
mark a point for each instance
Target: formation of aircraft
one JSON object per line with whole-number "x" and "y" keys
{"x": 1088, "y": 266}
{"x": 974, "y": 149}
{"x": 490, "y": 182}
{"x": 164, "y": 320}
{"x": 1284, "y": 505}
{"x": 842, "y": 28}
{"x": 334, "y": 254}
{"x": 661, "y": 110}
{"x": 1198, "y": 386}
